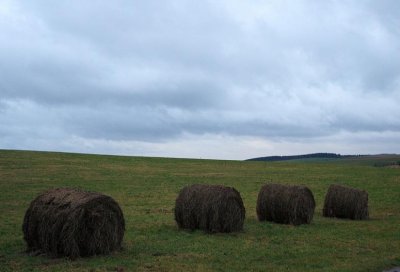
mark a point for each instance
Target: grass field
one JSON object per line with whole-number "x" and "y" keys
{"x": 146, "y": 189}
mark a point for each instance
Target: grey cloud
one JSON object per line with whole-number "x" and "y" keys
{"x": 152, "y": 71}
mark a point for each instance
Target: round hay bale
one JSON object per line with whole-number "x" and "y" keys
{"x": 346, "y": 202}
{"x": 285, "y": 204}
{"x": 212, "y": 208}
{"x": 72, "y": 223}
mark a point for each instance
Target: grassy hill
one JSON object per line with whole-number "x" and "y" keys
{"x": 146, "y": 189}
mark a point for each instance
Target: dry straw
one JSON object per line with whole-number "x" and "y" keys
{"x": 212, "y": 208}
{"x": 346, "y": 202}
{"x": 72, "y": 223}
{"x": 285, "y": 204}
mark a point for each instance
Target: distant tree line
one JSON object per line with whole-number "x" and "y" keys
{"x": 297, "y": 157}
{"x": 386, "y": 163}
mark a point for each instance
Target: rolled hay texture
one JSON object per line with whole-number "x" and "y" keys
{"x": 285, "y": 204}
{"x": 346, "y": 202}
{"x": 72, "y": 223}
{"x": 212, "y": 208}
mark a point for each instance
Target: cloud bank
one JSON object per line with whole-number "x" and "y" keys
{"x": 217, "y": 79}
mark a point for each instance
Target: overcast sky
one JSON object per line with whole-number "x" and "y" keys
{"x": 200, "y": 79}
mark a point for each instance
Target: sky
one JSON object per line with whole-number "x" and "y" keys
{"x": 200, "y": 79}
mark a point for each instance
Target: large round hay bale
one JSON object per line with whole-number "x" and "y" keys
{"x": 212, "y": 208}
{"x": 73, "y": 223}
{"x": 285, "y": 204}
{"x": 346, "y": 202}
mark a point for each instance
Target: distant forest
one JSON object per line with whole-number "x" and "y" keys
{"x": 297, "y": 157}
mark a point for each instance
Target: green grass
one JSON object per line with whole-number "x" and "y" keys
{"x": 146, "y": 189}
